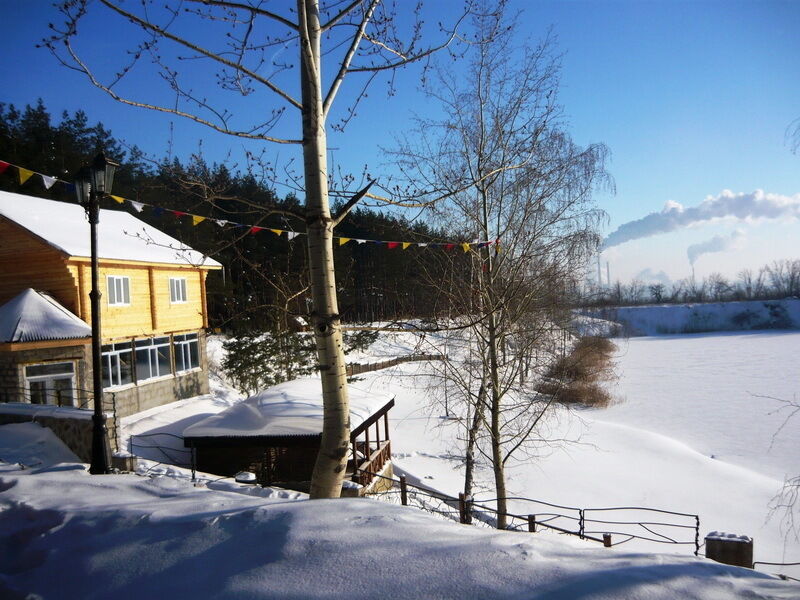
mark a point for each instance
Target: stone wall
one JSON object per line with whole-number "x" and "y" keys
{"x": 71, "y": 426}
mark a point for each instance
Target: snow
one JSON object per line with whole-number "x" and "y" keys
{"x": 156, "y": 534}
{"x": 121, "y": 236}
{"x": 31, "y": 316}
{"x": 292, "y": 408}
{"x": 33, "y": 446}
{"x": 72, "y": 535}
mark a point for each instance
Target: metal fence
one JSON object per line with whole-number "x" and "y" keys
{"x": 626, "y": 523}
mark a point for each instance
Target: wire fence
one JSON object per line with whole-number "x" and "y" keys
{"x": 611, "y": 526}
{"x": 147, "y": 446}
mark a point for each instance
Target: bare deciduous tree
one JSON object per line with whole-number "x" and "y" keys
{"x": 239, "y": 46}
{"x": 511, "y": 174}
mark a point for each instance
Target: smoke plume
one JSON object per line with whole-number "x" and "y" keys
{"x": 719, "y": 243}
{"x": 673, "y": 216}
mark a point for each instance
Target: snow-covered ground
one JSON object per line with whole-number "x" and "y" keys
{"x": 687, "y": 435}
{"x": 67, "y": 534}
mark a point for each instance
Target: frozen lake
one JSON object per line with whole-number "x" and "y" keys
{"x": 717, "y": 393}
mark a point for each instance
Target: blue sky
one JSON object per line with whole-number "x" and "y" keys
{"x": 692, "y": 98}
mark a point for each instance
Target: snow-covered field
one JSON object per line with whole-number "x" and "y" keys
{"x": 687, "y": 435}
{"x": 67, "y": 534}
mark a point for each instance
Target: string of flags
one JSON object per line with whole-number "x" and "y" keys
{"x": 47, "y": 181}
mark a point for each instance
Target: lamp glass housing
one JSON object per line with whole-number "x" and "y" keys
{"x": 83, "y": 186}
{"x": 103, "y": 173}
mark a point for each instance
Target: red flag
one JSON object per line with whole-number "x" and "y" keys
{"x": 255, "y": 229}
{"x": 392, "y": 245}
{"x": 449, "y": 246}
{"x": 3, "y": 165}
{"x": 178, "y": 213}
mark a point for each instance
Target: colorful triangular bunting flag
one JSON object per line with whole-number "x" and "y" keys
{"x": 24, "y": 175}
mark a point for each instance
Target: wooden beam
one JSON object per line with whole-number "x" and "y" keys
{"x": 20, "y": 346}
{"x": 83, "y": 305}
{"x": 153, "y": 309}
{"x": 203, "y": 303}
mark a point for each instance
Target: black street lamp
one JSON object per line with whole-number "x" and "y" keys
{"x": 91, "y": 183}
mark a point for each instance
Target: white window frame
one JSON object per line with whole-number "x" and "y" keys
{"x": 152, "y": 349}
{"x": 183, "y": 353}
{"x": 119, "y": 290}
{"x": 111, "y": 362}
{"x": 50, "y": 389}
{"x": 177, "y": 290}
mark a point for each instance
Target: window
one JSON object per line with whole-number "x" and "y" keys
{"x": 177, "y": 290}
{"x": 117, "y": 364}
{"x": 187, "y": 353}
{"x": 152, "y": 358}
{"x": 119, "y": 290}
{"x": 51, "y": 383}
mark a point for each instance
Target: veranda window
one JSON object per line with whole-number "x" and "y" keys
{"x": 152, "y": 358}
{"x": 187, "y": 352}
{"x": 117, "y": 364}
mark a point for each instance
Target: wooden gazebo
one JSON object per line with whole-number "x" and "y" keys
{"x": 276, "y": 434}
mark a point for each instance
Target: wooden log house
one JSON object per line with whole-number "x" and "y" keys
{"x": 153, "y": 302}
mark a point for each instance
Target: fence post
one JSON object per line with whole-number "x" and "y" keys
{"x": 468, "y": 509}
{"x": 462, "y": 508}
{"x": 532, "y": 523}
{"x": 697, "y": 535}
{"x": 580, "y": 523}
{"x": 607, "y": 540}
{"x": 403, "y": 491}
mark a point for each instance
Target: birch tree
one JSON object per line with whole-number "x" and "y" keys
{"x": 511, "y": 174}
{"x": 272, "y": 57}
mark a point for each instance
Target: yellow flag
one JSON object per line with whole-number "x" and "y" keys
{"x": 118, "y": 199}
{"x": 24, "y": 175}
{"x": 406, "y": 245}
{"x": 196, "y": 220}
{"x": 465, "y": 246}
{"x": 343, "y": 241}
{"x": 277, "y": 232}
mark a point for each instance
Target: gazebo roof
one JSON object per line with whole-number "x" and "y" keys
{"x": 34, "y": 317}
{"x": 287, "y": 410}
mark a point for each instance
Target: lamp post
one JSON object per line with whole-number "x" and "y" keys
{"x": 90, "y": 184}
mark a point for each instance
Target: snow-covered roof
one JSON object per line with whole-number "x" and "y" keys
{"x": 293, "y": 408}
{"x": 35, "y": 317}
{"x": 121, "y": 236}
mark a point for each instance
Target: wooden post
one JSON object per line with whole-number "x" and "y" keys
{"x": 462, "y": 507}
{"x": 403, "y": 491}
{"x": 468, "y": 510}
{"x": 730, "y": 549}
{"x": 607, "y": 540}
{"x": 386, "y": 424}
{"x": 532, "y": 523}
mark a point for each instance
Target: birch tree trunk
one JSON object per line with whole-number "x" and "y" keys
{"x": 326, "y": 480}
